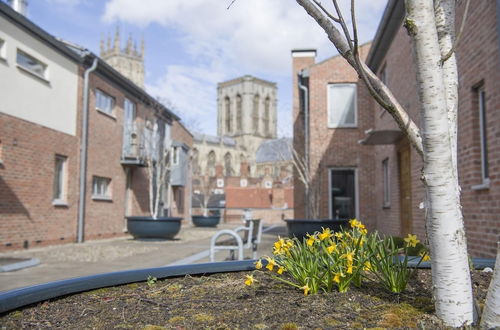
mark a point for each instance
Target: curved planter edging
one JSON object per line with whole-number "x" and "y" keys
{"x": 300, "y": 227}
{"x": 206, "y": 221}
{"x": 16, "y": 298}
{"x": 147, "y": 227}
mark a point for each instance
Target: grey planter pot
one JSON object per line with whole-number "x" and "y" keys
{"x": 206, "y": 221}
{"x": 301, "y": 227}
{"x": 147, "y": 227}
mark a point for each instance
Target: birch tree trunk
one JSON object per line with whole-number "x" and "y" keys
{"x": 445, "y": 230}
{"x": 491, "y": 313}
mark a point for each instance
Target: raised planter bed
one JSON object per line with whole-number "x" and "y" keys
{"x": 147, "y": 227}
{"x": 206, "y": 221}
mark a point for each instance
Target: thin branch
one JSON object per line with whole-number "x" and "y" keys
{"x": 457, "y": 40}
{"x": 327, "y": 13}
{"x": 343, "y": 25}
{"x": 354, "y": 28}
{"x": 230, "y": 4}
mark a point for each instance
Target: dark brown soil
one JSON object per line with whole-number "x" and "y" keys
{"x": 222, "y": 301}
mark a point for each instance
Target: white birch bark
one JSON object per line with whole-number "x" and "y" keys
{"x": 491, "y": 312}
{"x": 445, "y": 230}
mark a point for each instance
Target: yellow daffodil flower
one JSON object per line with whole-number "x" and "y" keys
{"x": 337, "y": 277}
{"x": 325, "y": 234}
{"x": 367, "y": 266}
{"x": 339, "y": 235}
{"x": 310, "y": 240}
{"x": 349, "y": 256}
{"x": 249, "y": 280}
{"x": 258, "y": 264}
{"x": 270, "y": 263}
{"x": 411, "y": 240}
{"x": 425, "y": 256}
{"x": 349, "y": 269}
{"x": 280, "y": 270}
{"x": 354, "y": 223}
{"x": 306, "y": 289}
{"x": 332, "y": 248}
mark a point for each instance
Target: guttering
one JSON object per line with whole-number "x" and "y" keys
{"x": 83, "y": 151}
{"x": 306, "y": 135}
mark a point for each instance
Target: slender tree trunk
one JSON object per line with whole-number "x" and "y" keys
{"x": 491, "y": 312}
{"x": 445, "y": 229}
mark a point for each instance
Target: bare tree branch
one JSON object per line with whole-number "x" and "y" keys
{"x": 459, "y": 35}
{"x": 354, "y": 28}
{"x": 230, "y": 4}
{"x": 327, "y": 13}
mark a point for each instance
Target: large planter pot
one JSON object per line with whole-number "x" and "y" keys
{"x": 206, "y": 221}
{"x": 147, "y": 227}
{"x": 301, "y": 227}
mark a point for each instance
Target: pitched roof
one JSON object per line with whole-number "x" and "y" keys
{"x": 276, "y": 150}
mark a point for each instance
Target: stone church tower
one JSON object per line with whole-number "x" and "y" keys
{"x": 247, "y": 111}
{"x": 128, "y": 61}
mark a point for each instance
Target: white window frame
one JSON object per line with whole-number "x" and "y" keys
{"x": 60, "y": 180}
{"x": 23, "y": 66}
{"x": 329, "y": 101}
{"x": 483, "y": 134}
{"x": 109, "y": 112}
{"x": 3, "y": 55}
{"x": 386, "y": 183}
{"x": 356, "y": 189}
{"x": 101, "y": 188}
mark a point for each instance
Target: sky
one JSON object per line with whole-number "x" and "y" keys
{"x": 191, "y": 45}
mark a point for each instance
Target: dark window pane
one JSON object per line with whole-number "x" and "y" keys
{"x": 343, "y": 194}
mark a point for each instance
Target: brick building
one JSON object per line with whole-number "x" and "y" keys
{"x": 394, "y": 191}
{"x": 45, "y": 94}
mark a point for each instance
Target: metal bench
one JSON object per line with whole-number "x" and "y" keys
{"x": 252, "y": 233}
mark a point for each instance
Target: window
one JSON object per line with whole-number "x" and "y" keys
{"x": 175, "y": 155}
{"x": 60, "y": 179}
{"x": 31, "y": 64}
{"x": 342, "y": 105}
{"x": 2, "y": 50}
{"x": 211, "y": 163}
{"x": 227, "y": 164}
{"x": 104, "y": 102}
{"x": 101, "y": 188}
{"x": 228, "y": 114}
{"x": 255, "y": 113}
{"x": 239, "y": 113}
{"x": 386, "y": 183}
{"x": 267, "y": 104}
{"x": 342, "y": 194}
{"x": 483, "y": 134}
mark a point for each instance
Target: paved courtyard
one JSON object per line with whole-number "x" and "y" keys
{"x": 93, "y": 257}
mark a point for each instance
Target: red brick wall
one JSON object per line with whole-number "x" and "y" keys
{"x": 26, "y": 185}
{"x": 181, "y": 134}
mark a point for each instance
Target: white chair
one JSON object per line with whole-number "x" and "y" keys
{"x": 252, "y": 233}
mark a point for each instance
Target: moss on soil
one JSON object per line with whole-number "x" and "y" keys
{"x": 222, "y": 301}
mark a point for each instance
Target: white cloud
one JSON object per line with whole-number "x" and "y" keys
{"x": 252, "y": 37}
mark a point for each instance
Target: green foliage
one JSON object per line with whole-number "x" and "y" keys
{"x": 151, "y": 280}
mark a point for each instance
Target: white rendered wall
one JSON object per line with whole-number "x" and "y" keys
{"x": 51, "y": 103}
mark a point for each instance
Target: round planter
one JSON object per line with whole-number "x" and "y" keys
{"x": 147, "y": 227}
{"x": 206, "y": 221}
{"x": 300, "y": 227}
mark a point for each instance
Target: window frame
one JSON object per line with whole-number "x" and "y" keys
{"x": 329, "y": 86}
{"x": 106, "y": 193}
{"x": 483, "y": 134}
{"x": 59, "y": 188}
{"x": 3, "y": 52}
{"x": 113, "y": 103}
{"x": 44, "y": 75}
{"x": 386, "y": 184}
{"x": 356, "y": 189}
{"x": 175, "y": 155}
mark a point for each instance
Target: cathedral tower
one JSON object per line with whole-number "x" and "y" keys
{"x": 128, "y": 61}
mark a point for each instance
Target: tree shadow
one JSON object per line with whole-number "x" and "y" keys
{"x": 9, "y": 202}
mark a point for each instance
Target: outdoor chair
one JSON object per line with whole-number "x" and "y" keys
{"x": 251, "y": 235}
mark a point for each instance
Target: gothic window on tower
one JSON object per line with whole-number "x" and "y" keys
{"x": 227, "y": 165}
{"x": 239, "y": 114}
{"x": 255, "y": 113}
{"x": 227, "y": 104}
{"x": 196, "y": 164}
{"x": 267, "y": 105}
{"x": 211, "y": 163}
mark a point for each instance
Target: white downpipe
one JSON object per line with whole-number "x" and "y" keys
{"x": 83, "y": 152}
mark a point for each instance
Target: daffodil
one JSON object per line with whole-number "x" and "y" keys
{"x": 325, "y": 234}
{"x": 310, "y": 240}
{"x": 425, "y": 256}
{"x": 337, "y": 277}
{"x": 280, "y": 270}
{"x": 258, "y": 264}
{"x": 354, "y": 223}
{"x": 349, "y": 269}
{"x": 349, "y": 256}
{"x": 367, "y": 266}
{"x": 270, "y": 263}
{"x": 249, "y": 280}
{"x": 331, "y": 248}
{"x": 306, "y": 289}
{"x": 339, "y": 235}
{"x": 411, "y": 240}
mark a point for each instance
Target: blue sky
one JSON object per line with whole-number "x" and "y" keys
{"x": 191, "y": 45}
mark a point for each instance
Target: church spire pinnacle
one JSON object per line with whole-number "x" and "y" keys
{"x": 117, "y": 39}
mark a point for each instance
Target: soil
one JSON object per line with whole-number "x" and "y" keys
{"x": 222, "y": 301}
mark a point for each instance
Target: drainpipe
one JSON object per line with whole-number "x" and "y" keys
{"x": 83, "y": 151}
{"x": 306, "y": 138}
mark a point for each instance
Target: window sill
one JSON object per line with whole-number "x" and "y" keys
{"x": 58, "y": 202}
{"x": 483, "y": 186}
{"x": 102, "y": 198}
{"x": 346, "y": 126}
{"x": 106, "y": 114}
{"x": 34, "y": 74}
{"x": 386, "y": 206}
